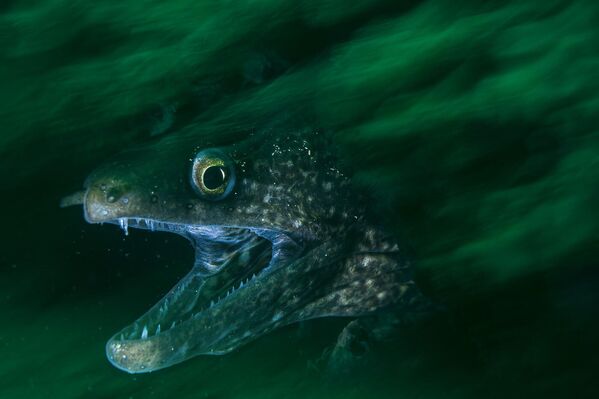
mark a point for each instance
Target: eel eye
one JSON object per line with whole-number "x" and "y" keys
{"x": 212, "y": 174}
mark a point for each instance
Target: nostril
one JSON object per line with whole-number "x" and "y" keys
{"x": 106, "y": 199}
{"x": 113, "y": 195}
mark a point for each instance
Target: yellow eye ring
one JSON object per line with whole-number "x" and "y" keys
{"x": 212, "y": 174}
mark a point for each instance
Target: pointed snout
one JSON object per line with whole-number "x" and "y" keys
{"x": 106, "y": 199}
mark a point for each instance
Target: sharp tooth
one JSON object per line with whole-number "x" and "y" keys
{"x": 174, "y": 323}
{"x": 212, "y": 303}
{"x": 158, "y": 329}
{"x": 241, "y": 284}
{"x": 144, "y": 333}
{"x": 124, "y": 223}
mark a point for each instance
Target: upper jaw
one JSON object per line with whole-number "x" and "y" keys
{"x": 284, "y": 243}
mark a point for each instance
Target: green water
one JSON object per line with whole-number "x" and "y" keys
{"x": 472, "y": 124}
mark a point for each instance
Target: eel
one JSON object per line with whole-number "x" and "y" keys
{"x": 280, "y": 235}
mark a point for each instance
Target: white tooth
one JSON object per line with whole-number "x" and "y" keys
{"x": 254, "y": 276}
{"x": 174, "y": 323}
{"x": 241, "y": 284}
{"x": 122, "y": 337}
{"x": 158, "y": 329}
{"x": 211, "y": 303}
{"x": 144, "y": 333}
{"x": 124, "y": 225}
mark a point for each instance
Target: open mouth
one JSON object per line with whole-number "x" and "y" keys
{"x": 228, "y": 261}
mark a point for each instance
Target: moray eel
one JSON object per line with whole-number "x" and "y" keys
{"x": 279, "y": 234}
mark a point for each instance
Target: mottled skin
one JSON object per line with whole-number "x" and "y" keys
{"x": 292, "y": 219}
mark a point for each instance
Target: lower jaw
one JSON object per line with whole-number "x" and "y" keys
{"x": 202, "y": 289}
{"x": 151, "y": 342}
{"x": 199, "y": 334}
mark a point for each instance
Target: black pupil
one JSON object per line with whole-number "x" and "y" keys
{"x": 214, "y": 177}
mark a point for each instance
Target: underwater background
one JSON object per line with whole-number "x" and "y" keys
{"x": 473, "y": 126}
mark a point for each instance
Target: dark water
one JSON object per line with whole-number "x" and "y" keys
{"x": 472, "y": 124}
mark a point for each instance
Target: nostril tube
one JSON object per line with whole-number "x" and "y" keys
{"x": 113, "y": 195}
{"x": 106, "y": 200}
